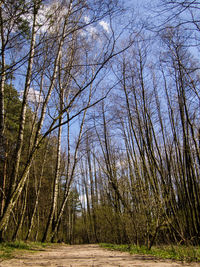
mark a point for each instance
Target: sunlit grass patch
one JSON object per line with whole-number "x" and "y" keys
{"x": 8, "y": 249}
{"x": 181, "y": 253}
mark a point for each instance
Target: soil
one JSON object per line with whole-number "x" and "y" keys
{"x": 87, "y": 255}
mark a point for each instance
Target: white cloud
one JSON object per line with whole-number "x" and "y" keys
{"x": 92, "y": 30}
{"x": 86, "y": 19}
{"x": 50, "y": 11}
{"x": 47, "y": 14}
{"x": 82, "y": 33}
{"x": 34, "y": 96}
{"x": 105, "y": 26}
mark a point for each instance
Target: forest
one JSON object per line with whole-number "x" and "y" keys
{"x": 100, "y": 121}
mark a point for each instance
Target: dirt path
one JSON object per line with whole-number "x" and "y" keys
{"x": 87, "y": 255}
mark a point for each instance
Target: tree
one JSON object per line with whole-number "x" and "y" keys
{"x": 63, "y": 31}
{"x": 184, "y": 74}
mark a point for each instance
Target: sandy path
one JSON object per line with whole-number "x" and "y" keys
{"x": 87, "y": 255}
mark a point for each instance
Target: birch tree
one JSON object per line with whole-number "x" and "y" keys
{"x": 64, "y": 21}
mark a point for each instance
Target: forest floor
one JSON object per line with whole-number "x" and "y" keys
{"x": 86, "y": 255}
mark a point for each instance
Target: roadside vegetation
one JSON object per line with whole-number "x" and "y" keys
{"x": 9, "y": 249}
{"x": 180, "y": 253}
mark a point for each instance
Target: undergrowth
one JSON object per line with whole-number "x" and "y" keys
{"x": 8, "y": 249}
{"x": 181, "y": 253}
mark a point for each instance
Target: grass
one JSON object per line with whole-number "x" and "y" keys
{"x": 180, "y": 253}
{"x": 9, "y": 249}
